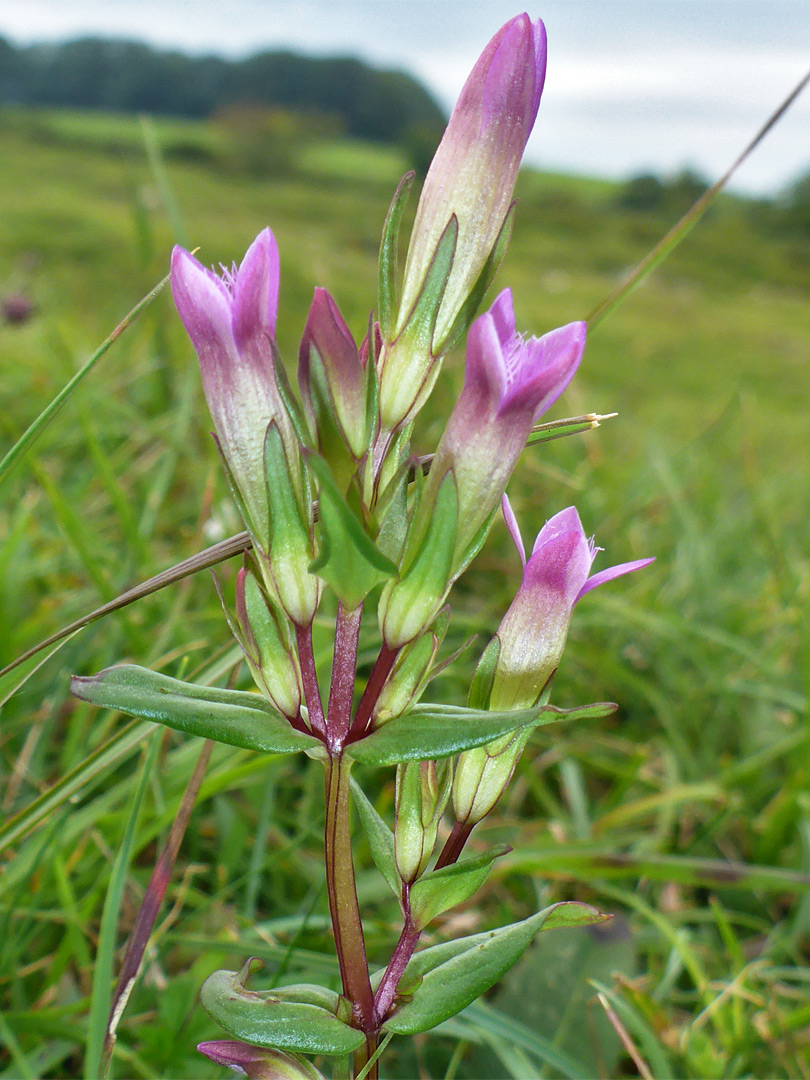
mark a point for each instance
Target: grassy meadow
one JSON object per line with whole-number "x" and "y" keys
{"x": 687, "y": 814}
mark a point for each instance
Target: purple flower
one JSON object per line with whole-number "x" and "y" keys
{"x": 258, "y": 1063}
{"x": 474, "y": 169}
{"x": 509, "y": 382}
{"x": 231, "y": 321}
{"x": 327, "y": 341}
{"x": 532, "y": 634}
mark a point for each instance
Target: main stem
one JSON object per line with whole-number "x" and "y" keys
{"x": 343, "y": 905}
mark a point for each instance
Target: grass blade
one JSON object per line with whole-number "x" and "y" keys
{"x": 13, "y": 679}
{"x": 24, "y": 443}
{"x": 145, "y": 921}
{"x": 91, "y": 768}
{"x": 682, "y": 228}
{"x": 102, "y": 972}
{"x": 217, "y": 553}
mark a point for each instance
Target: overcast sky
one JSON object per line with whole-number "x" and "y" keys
{"x": 632, "y": 84}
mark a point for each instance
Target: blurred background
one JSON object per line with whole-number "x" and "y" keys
{"x": 127, "y": 127}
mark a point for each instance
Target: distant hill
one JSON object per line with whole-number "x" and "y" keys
{"x": 129, "y": 76}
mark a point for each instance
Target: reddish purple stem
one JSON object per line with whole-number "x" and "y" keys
{"x": 309, "y": 677}
{"x": 376, "y": 681}
{"x": 409, "y": 938}
{"x": 344, "y": 667}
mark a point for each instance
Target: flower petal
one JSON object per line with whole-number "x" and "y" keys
{"x": 513, "y": 527}
{"x": 546, "y": 367}
{"x": 612, "y": 572}
{"x": 255, "y": 299}
{"x": 203, "y": 303}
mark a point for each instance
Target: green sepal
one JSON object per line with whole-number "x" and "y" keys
{"x": 420, "y": 324}
{"x": 248, "y": 646}
{"x": 469, "y": 309}
{"x": 372, "y": 388}
{"x": 409, "y": 605}
{"x": 348, "y": 559}
{"x": 290, "y": 546}
{"x": 380, "y": 838}
{"x": 389, "y": 256}
{"x": 295, "y": 411}
{"x": 429, "y": 732}
{"x": 445, "y": 979}
{"x": 332, "y": 440}
{"x": 474, "y": 546}
{"x": 301, "y": 1019}
{"x": 484, "y": 677}
{"x": 443, "y": 889}
{"x": 288, "y": 517}
{"x": 235, "y": 717}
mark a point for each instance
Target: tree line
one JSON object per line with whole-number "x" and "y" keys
{"x": 128, "y": 76}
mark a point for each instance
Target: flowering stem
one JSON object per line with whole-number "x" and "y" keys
{"x": 454, "y": 844}
{"x": 386, "y": 991}
{"x": 409, "y": 938}
{"x": 343, "y": 906}
{"x": 309, "y": 677}
{"x": 344, "y": 666}
{"x": 376, "y": 681}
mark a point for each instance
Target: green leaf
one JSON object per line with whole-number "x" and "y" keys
{"x": 454, "y": 974}
{"x": 380, "y": 839}
{"x": 299, "y": 1018}
{"x": 348, "y": 560}
{"x": 429, "y": 732}
{"x": 443, "y": 889}
{"x": 235, "y": 717}
{"x": 389, "y": 245}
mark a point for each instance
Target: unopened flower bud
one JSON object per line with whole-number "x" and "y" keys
{"x": 332, "y": 380}
{"x": 259, "y": 1063}
{"x": 267, "y": 645}
{"x": 423, "y": 789}
{"x": 407, "y": 680}
{"x": 471, "y": 179}
{"x": 410, "y": 604}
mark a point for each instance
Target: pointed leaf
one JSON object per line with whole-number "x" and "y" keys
{"x": 429, "y": 732}
{"x": 389, "y": 251}
{"x": 453, "y": 975}
{"x": 293, "y": 1018}
{"x": 348, "y": 560}
{"x": 380, "y": 839}
{"x": 235, "y": 717}
{"x": 443, "y": 889}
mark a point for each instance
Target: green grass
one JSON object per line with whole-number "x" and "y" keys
{"x": 707, "y": 652}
